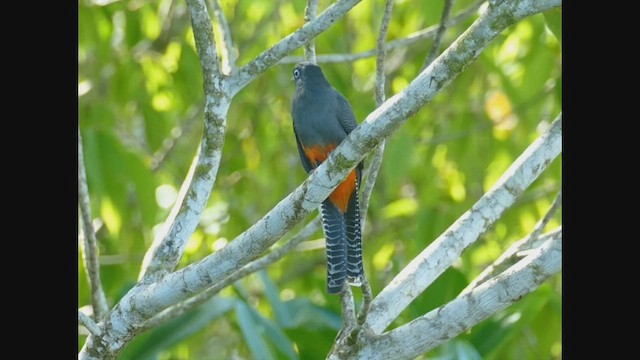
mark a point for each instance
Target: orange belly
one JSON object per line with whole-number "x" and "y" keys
{"x": 341, "y": 195}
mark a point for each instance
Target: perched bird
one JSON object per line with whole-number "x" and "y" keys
{"x": 322, "y": 118}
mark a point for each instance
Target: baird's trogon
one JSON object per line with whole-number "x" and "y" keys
{"x": 322, "y": 118}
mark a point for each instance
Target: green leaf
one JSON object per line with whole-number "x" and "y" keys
{"x": 491, "y": 335}
{"x": 444, "y": 289}
{"x": 553, "y": 19}
{"x": 249, "y": 329}
{"x": 149, "y": 346}
{"x": 456, "y": 350}
{"x": 397, "y": 160}
{"x": 309, "y": 315}
{"x": 275, "y": 334}
{"x": 282, "y": 315}
{"x": 145, "y": 185}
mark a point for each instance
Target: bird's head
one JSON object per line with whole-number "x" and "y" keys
{"x": 308, "y": 74}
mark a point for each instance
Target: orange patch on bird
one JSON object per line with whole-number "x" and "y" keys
{"x": 341, "y": 195}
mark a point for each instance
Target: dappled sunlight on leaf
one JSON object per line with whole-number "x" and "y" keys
{"x": 110, "y": 215}
{"x": 166, "y": 195}
{"x": 496, "y": 168}
{"x": 194, "y": 243}
{"x": 401, "y": 207}
{"x": 382, "y": 257}
{"x": 162, "y": 101}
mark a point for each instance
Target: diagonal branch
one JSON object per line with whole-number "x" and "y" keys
{"x": 462, "y": 313}
{"x": 167, "y": 249}
{"x": 440, "y": 254}
{"x": 275, "y": 255}
{"x": 291, "y": 42}
{"x": 512, "y": 254}
{"x": 90, "y": 243}
{"x": 413, "y": 38}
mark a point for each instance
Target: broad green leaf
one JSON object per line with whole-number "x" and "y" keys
{"x": 252, "y": 336}
{"x": 274, "y": 333}
{"x": 280, "y": 311}
{"x": 145, "y": 185}
{"x": 444, "y": 289}
{"x": 553, "y": 20}
{"x": 489, "y": 336}
{"x": 308, "y": 315}
{"x": 176, "y": 330}
{"x": 456, "y": 350}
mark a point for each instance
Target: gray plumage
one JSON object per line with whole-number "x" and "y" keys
{"x": 322, "y": 119}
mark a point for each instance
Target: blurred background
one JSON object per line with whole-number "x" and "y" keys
{"x": 141, "y": 113}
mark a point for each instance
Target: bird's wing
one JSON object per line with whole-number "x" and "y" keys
{"x": 345, "y": 114}
{"x": 303, "y": 157}
{"x": 348, "y": 121}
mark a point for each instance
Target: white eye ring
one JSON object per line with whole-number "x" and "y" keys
{"x": 296, "y": 73}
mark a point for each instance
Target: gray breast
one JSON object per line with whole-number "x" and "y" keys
{"x": 315, "y": 118}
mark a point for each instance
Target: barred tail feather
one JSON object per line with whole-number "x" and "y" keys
{"x": 355, "y": 269}
{"x": 333, "y": 225}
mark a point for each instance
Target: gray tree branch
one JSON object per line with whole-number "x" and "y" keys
{"x": 90, "y": 243}
{"x": 259, "y": 264}
{"x": 514, "y": 252}
{"x": 167, "y": 249}
{"x": 462, "y": 313}
{"x": 443, "y": 251}
{"x": 88, "y": 323}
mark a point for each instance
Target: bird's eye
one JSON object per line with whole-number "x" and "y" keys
{"x": 296, "y": 73}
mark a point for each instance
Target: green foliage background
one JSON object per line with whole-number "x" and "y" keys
{"x": 140, "y": 114}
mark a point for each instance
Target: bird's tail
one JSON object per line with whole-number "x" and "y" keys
{"x": 333, "y": 224}
{"x": 354, "y": 240}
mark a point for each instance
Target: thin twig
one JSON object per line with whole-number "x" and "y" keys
{"x": 310, "y": 47}
{"x": 289, "y": 43}
{"x": 555, "y": 205}
{"x": 367, "y": 297}
{"x": 367, "y": 293}
{"x": 87, "y": 322}
{"x": 435, "y": 46}
{"x": 259, "y": 264}
{"x": 380, "y": 97}
{"x": 90, "y": 243}
{"x": 391, "y": 45}
{"x": 512, "y": 254}
{"x": 349, "y": 322}
{"x": 168, "y": 145}
{"x": 226, "y": 42}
